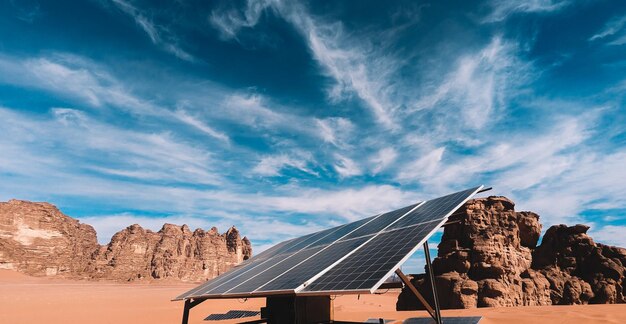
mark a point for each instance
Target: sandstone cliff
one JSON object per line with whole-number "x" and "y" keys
{"x": 490, "y": 258}
{"x": 37, "y": 239}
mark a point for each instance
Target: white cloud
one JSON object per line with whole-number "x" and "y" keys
{"x": 349, "y": 203}
{"x": 424, "y": 168}
{"x": 229, "y": 23}
{"x": 355, "y": 67}
{"x": 346, "y": 167}
{"x": 71, "y": 135}
{"x": 154, "y": 32}
{"x": 78, "y": 78}
{"x": 477, "y": 88}
{"x": 609, "y": 235}
{"x": 500, "y": 10}
{"x": 595, "y": 181}
{"x": 383, "y": 159}
{"x": 185, "y": 117}
{"x": 614, "y": 29}
{"x": 335, "y": 130}
{"x": 272, "y": 165}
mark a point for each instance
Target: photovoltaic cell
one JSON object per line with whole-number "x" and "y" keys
{"x": 272, "y": 272}
{"x": 435, "y": 209}
{"x": 380, "y": 222}
{"x": 309, "y": 268}
{"x": 305, "y": 241}
{"x": 342, "y": 231}
{"x": 364, "y": 268}
{"x": 210, "y": 284}
{"x": 274, "y": 250}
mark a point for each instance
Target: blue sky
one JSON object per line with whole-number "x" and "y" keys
{"x": 287, "y": 117}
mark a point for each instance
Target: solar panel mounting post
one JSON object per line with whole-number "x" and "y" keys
{"x": 432, "y": 284}
{"x": 189, "y": 304}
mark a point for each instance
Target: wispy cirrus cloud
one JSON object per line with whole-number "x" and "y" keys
{"x": 230, "y": 22}
{"x": 78, "y": 78}
{"x": 614, "y": 29}
{"x": 346, "y": 167}
{"x": 104, "y": 149}
{"x": 271, "y": 165}
{"x": 383, "y": 159}
{"x": 353, "y": 64}
{"x": 478, "y": 86}
{"x": 159, "y": 35}
{"x": 500, "y": 10}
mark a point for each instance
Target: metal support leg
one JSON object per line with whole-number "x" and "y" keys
{"x": 432, "y": 284}
{"x": 186, "y": 311}
{"x": 189, "y": 304}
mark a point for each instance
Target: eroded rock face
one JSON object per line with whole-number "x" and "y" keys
{"x": 173, "y": 252}
{"x": 490, "y": 259}
{"x": 579, "y": 270}
{"x": 37, "y": 239}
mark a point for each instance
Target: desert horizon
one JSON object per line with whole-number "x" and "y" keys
{"x": 26, "y": 299}
{"x": 135, "y": 273}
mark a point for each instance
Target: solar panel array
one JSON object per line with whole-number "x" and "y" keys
{"x": 355, "y": 257}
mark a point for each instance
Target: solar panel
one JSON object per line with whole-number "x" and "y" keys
{"x": 272, "y": 272}
{"x": 253, "y": 267}
{"x": 296, "y": 276}
{"x": 355, "y": 257}
{"x": 435, "y": 209}
{"x": 381, "y": 222}
{"x": 365, "y": 267}
{"x": 232, "y": 315}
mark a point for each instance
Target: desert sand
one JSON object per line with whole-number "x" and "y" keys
{"x": 25, "y": 299}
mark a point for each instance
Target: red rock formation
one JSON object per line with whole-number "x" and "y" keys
{"x": 489, "y": 258}
{"x": 37, "y": 239}
{"x": 579, "y": 270}
{"x": 173, "y": 252}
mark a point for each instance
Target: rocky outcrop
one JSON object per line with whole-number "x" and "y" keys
{"x": 37, "y": 239}
{"x": 489, "y": 258}
{"x": 579, "y": 270}
{"x": 173, "y": 252}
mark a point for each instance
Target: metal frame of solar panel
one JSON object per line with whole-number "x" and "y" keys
{"x": 348, "y": 259}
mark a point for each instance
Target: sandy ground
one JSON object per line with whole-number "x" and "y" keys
{"x": 26, "y": 299}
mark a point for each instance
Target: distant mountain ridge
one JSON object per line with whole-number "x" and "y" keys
{"x": 36, "y": 238}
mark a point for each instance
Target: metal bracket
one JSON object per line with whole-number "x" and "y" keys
{"x": 417, "y": 294}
